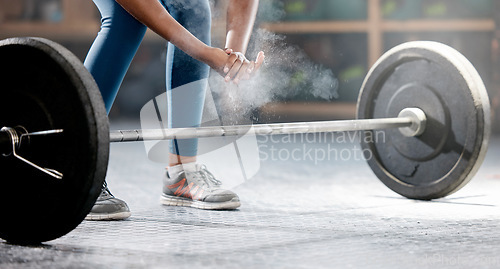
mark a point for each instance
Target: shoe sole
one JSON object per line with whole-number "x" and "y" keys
{"x": 181, "y": 201}
{"x": 114, "y": 216}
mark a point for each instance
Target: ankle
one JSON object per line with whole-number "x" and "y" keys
{"x": 185, "y": 167}
{"x": 177, "y": 159}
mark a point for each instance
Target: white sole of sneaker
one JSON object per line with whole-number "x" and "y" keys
{"x": 115, "y": 216}
{"x": 181, "y": 201}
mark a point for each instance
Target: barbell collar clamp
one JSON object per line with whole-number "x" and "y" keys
{"x": 15, "y": 141}
{"x": 419, "y": 122}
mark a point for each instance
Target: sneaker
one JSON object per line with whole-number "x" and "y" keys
{"x": 107, "y": 207}
{"x": 198, "y": 188}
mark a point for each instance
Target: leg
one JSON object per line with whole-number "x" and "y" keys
{"x": 113, "y": 49}
{"x": 186, "y": 77}
{"x": 190, "y": 184}
{"x": 108, "y": 61}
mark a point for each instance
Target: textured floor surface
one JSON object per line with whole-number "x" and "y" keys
{"x": 309, "y": 205}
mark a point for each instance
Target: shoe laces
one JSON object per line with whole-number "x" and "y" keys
{"x": 206, "y": 177}
{"x": 105, "y": 191}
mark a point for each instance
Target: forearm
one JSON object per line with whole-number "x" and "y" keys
{"x": 240, "y": 20}
{"x": 152, "y": 14}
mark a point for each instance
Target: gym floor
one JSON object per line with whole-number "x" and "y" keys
{"x": 297, "y": 212}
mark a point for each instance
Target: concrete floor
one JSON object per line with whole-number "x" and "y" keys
{"x": 296, "y": 213}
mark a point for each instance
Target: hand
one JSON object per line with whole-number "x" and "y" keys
{"x": 231, "y": 65}
{"x": 238, "y": 68}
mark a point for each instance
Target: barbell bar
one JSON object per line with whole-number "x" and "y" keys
{"x": 411, "y": 120}
{"x": 428, "y": 98}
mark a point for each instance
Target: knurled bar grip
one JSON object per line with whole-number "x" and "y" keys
{"x": 261, "y": 129}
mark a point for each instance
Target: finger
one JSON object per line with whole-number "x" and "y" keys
{"x": 230, "y": 62}
{"x": 242, "y": 73}
{"x": 236, "y": 66}
{"x": 259, "y": 61}
{"x": 228, "y": 51}
{"x": 256, "y": 65}
{"x": 249, "y": 71}
{"x": 234, "y": 69}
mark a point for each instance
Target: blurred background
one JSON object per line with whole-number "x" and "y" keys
{"x": 342, "y": 36}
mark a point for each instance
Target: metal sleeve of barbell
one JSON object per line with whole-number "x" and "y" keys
{"x": 259, "y": 129}
{"x": 5, "y": 143}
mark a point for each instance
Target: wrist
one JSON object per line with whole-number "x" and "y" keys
{"x": 236, "y": 46}
{"x": 205, "y": 54}
{"x": 213, "y": 57}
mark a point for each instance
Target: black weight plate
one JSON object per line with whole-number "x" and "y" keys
{"x": 45, "y": 87}
{"x": 444, "y": 84}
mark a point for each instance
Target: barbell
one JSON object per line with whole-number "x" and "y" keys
{"x": 427, "y": 97}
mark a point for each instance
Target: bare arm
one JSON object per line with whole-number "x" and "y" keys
{"x": 240, "y": 20}
{"x": 241, "y": 17}
{"x": 152, "y": 14}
